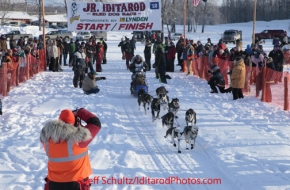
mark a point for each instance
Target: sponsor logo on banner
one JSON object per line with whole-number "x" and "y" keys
{"x": 126, "y": 16}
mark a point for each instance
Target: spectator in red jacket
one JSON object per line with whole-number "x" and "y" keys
{"x": 99, "y": 56}
{"x": 171, "y": 57}
{"x": 222, "y": 54}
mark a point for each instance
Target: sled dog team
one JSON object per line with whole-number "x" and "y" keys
{"x": 189, "y": 132}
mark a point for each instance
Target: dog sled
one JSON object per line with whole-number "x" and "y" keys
{"x": 138, "y": 82}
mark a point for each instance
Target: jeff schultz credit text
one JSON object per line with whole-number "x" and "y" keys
{"x": 139, "y": 180}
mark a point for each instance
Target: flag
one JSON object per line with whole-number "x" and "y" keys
{"x": 195, "y": 2}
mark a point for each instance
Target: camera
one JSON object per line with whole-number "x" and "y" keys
{"x": 78, "y": 121}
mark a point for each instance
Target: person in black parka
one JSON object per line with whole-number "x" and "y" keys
{"x": 105, "y": 50}
{"x": 160, "y": 64}
{"x": 147, "y": 54}
{"x": 217, "y": 80}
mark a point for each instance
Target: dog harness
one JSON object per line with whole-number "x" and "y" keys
{"x": 173, "y": 107}
{"x": 155, "y": 106}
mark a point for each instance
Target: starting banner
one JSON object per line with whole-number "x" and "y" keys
{"x": 126, "y": 16}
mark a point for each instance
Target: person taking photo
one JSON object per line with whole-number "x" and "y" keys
{"x": 65, "y": 142}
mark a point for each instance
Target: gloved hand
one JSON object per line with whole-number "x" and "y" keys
{"x": 75, "y": 110}
{"x": 103, "y": 78}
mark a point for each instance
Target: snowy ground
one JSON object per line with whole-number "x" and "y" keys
{"x": 243, "y": 143}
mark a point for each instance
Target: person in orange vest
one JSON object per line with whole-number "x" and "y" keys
{"x": 65, "y": 142}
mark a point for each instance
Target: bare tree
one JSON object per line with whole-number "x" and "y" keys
{"x": 204, "y": 15}
{"x": 169, "y": 15}
{"x": 65, "y": 5}
{"x": 173, "y": 28}
{"x": 242, "y": 10}
{"x": 193, "y": 16}
{"x": 5, "y": 7}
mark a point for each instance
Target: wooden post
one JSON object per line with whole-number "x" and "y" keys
{"x": 184, "y": 20}
{"x": 43, "y": 30}
{"x": 203, "y": 19}
{"x": 254, "y": 21}
{"x": 251, "y": 70}
{"x": 263, "y": 98}
{"x": 184, "y": 31}
{"x": 4, "y": 79}
{"x": 39, "y": 14}
{"x": 28, "y": 60}
{"x": 18, "y": 73}
{"x": 286, "y": 99}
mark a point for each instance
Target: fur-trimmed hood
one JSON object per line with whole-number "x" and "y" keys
{"x": 58, "y": 131}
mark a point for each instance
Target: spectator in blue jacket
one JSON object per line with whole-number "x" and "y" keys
{"x": 249, "y": 50}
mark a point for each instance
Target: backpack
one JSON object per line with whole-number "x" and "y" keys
{"x": 190, "y": 52}
{"x": 80, "y": 61}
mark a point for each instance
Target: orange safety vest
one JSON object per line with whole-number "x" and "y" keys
{"x": 67, "y": 161}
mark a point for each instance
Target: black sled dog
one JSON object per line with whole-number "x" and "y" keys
{"x": 168, "y": 120}
{"x": 155, "y": 108}
{"x": 145, "y": 99}
{"x": 173, "y": 106}
{"x": 174, "y": 132}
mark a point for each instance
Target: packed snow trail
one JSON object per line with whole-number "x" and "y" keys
{"x": 244, "y": 143}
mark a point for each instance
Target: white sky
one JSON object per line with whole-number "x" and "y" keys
{"x": 245, "y": 143}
